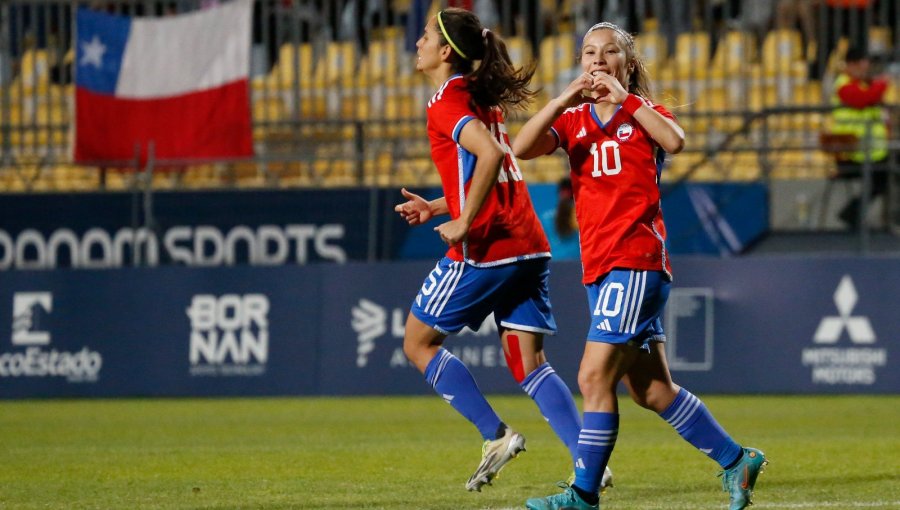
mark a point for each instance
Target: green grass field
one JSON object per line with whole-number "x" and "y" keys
{"x": 416, "y": 453}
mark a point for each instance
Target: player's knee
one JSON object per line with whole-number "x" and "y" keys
{"x": 655, "y": 397}
{"x": 591, "y": 382}
{"x": 641, "y": 399}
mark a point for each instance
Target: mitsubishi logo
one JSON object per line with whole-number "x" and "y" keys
{"x": 858, "y": 327}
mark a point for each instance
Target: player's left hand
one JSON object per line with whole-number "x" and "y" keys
{"x": 415, "y": 210}
{"x": 453, "y": 231}
{"x": 610, "y": 89}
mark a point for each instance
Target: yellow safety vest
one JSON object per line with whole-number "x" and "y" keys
{"x": 857, "y": 121}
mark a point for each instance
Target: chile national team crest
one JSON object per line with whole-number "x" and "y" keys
{"x": 624, "y": 132}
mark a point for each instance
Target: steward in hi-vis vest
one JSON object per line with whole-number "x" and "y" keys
{"x": 857, "y": 100}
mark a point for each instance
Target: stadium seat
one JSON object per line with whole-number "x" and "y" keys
{"x": 652, "y": 47}
{"x": 880, "y": 42}
{"x": 380, "y": 64}
{"x": 296, "y": 65}
{"x": 336, "y": 172}
{"x": 783, "y": 54}
{"x": 340, "y": 64}
{"x": 835, "y": 62}
{"x": 692, "y": 55}
{"x": 557, "y": 58}
{"x": 734, "y": 54}
{"x": 519, "y": 50}
{"x": 739, "y": 166}
{"x": 34, "y": 73}
{"x": 291, "y": 173}
{"x": 379, "y": 169}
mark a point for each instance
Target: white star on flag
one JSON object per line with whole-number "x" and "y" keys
{"x": 93, "y": 53}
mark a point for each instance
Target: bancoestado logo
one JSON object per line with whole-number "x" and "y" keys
{"x": 371, "y": 321}
{"x": 844, "y": 365}
{"x": 203, "y": 245}
{"x": 229, "y": 334}
{"x": 30, "y": 310}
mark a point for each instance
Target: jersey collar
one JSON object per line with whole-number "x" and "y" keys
{"x": 597, "y": 118}
{"x": 451, "y": 78}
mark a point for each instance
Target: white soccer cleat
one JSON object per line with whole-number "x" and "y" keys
{"x": 606, "y": 481}
{"x": 494, "y": 455}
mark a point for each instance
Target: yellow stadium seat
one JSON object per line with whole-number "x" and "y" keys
{"x": 808, "y": 94}
{"x": 519, "y": 50}
{"x": 892, "y": 96}
{"x": 379, "y": 169}
{"x": 692, "y": 55}
{"x": 652, "y": 48}
{"x": 835, "y": 62}
{"x": 34, "y": 72}
{"x": 735, "y": 53}
{"x": 380, "y": 65}
{"x": 296, "y": 64}
{"x": 340, "y": 64}
{"x": 880, "y": 40}
{"x": 783, "y": 54}
{"x": 738, "y": 165}
{"x": 557, "y": 54}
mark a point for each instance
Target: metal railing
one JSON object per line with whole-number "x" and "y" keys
{"x": 336, "y": 100}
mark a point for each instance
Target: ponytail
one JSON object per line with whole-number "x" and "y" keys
{"x": 494, "y": 82}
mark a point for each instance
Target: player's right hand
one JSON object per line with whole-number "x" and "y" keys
{"x": 415, "y": 210}
{"x": 572, "y": 95}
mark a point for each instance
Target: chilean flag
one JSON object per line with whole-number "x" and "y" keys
{"x": 180, "y": 82}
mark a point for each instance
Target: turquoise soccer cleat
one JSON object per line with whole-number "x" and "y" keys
{"x": 566, "y": 500}
{"x": 740, "y": 479}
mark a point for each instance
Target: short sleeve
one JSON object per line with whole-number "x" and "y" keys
{"x": 560, "y": 128}
{"x": 662, "y": 111}
{"x": 449, "y": 111}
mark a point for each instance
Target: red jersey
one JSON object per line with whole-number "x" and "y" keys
{"x": 506, "y": 228}
{"x": 615, "y": 170}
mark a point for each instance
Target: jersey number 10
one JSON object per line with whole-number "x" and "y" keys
{"x": 607, "y": 160}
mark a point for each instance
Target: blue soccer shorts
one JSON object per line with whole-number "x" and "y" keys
{"x": 456, "y": 295}
{"x": 627, "y": 306}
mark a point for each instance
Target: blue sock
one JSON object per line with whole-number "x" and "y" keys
{"x": 693, "y": 421}
{"x": 554, "y": 399}
{"x": 595, "y": 445}
{"x": 453, "y": 381}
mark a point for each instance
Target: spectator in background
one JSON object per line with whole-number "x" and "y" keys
{"x": 857, "y": 100}
{"x": 560, "y": 224}
{"x": 841, "y": 18}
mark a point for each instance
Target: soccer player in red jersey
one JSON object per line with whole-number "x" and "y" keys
{"x": 616, "y": 140}
{"x": 498, "y": 256}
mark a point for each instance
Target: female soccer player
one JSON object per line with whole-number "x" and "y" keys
{"x": 498, "y": 256}
{"x": 616, "y": 140}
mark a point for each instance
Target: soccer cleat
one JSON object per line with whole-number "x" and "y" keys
{"x": 740, "y": 479}
{"x": 566, "y": 500}
{"x": 494, "y": 455}
{"x": 605, "y": 482}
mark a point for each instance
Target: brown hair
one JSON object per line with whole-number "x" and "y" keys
{"x": 495, "y": 82}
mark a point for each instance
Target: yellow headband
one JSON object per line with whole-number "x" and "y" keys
{"x": 447, "y": 37}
